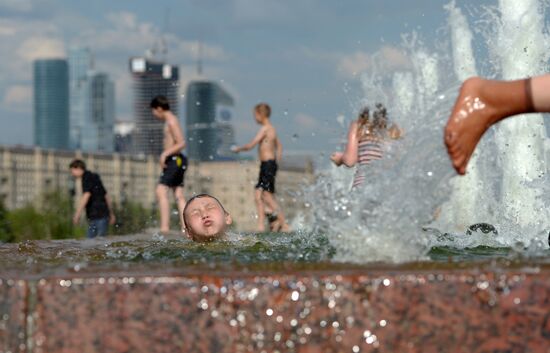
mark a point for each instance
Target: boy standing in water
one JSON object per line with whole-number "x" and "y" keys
{"x": 270, "y": 152}
{"x": 94, "y": 198}
{"x": 172, "y": 162}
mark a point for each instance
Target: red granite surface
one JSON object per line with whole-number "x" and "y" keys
{"x": 442, "y": 311}
{"x": 12, "y": 315}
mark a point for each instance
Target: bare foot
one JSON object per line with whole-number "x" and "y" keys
{"x": 472, "y": 115}
{"x": 260, "y": 228}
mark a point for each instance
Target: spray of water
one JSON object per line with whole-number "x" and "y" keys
{"x": 412, "y": 198}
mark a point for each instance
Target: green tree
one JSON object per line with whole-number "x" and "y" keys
{"x": 131, "y": 217}
{"x": 57, "y": 211}
{"x": 26, "y": 224}
{"x": 6, "y": 233}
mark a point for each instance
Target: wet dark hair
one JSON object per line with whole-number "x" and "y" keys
{"x": 78, "y": 164}
{"x": 363, "y": 120}
{"x": 380, "y": 116}
{"x": 160, "y": 101}
{"x": 198, "y": 196}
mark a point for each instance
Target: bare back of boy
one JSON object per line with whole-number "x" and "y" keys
{"x": 172, "y": 132}
{"x": 267, "y": 147}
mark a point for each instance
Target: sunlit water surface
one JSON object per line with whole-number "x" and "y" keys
{"x": 271, "y": 252}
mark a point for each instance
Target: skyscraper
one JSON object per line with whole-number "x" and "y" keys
{"x": 98, "y": 132}
{"x": 151, "y": 78}
{"x": 92, "y": 104}
{"x": 80, "y": 63}
{"x": 51, "y": 103}
{"x": 210, "y": 134}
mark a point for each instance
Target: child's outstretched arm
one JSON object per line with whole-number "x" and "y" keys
{"x": 259, "y": 136}
{"x": 349, "y": 156}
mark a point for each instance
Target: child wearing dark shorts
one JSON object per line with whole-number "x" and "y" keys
{"x": 174, "y": 172}
{"x": 266, "y": 179}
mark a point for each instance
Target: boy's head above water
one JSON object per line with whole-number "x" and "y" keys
{"x": 205, "y": 218}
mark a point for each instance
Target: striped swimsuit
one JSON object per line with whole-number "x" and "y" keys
{"x": 369, "y": 149}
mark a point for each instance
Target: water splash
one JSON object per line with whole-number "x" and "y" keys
{"x": 522, "y": 48}
{"x": 464, "y": 202}
{"x": 407, "y": 192}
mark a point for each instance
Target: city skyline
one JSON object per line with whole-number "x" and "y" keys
{"x": 151, "y": 78}
{"x": 92, "y": 103}
{"x": 305, "y": 58}
{"x": 51, "y": 103}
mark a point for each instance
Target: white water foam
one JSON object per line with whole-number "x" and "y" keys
{"x": 414, "y": 186}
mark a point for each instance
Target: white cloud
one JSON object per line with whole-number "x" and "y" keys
{"x": 6, "y": 29}
{"x": 354, "y": 64}
{"x": 306, "y": 121}
{"x": 18, "y": 98}
{"x": 22, "y": 42}
{"x": 123, "y": 20}
{"x": 129, "y": 36}
{"x": 387, "y": 58}
{"x": 40, "y": 47}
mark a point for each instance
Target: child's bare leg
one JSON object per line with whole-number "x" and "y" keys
{"x": 480, "y": 104}
{"x": 164, "y": 207}
{"x": 180, "y": 200}
{"x": 272, "y": 203}
{"x": 260, "y": 209}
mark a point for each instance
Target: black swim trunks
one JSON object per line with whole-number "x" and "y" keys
{"x": 266, "y": 181}
{"x": 172, "y": 175}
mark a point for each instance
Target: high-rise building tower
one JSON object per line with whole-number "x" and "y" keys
{"x": 51, "y": 103}
{"x": 209, "y": 132}
{"x": 80, "y": 63}
{"x": 98, "y": 132}
{"x": 92, "y": 111}
{"x": 151, "y": 78}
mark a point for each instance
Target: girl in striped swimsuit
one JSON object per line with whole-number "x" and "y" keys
{"x": 366, "y": 138}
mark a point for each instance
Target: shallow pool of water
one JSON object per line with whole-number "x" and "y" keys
{"x": 271, "y": 252}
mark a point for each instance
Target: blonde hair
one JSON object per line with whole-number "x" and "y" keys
{"x": 263, "y": 109}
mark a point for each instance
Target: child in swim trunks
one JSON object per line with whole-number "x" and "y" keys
{"x": 171, "y": 160}
{"x": 270, "y": 151}
{"x": 205, "y": 219}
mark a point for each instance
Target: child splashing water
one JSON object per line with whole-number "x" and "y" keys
{"x": 365, "y": 142}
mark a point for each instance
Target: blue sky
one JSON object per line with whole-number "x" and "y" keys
{"x": 298, "y": 55}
